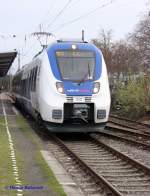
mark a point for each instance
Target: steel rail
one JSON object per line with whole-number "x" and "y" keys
{"x": 123, "y": 156}
{"x": 130, "y": 127}
{"x": 99, "y": 179}
{"x": 146, "y": 146}
{"x": 129, "y": 120}
{"x": 134, "y": 132}
{"x": 120, "y": 124}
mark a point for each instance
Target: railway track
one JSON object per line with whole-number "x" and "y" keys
{"x": 136, "y": 152}
{"x": 110, "y": 171}
{"x": 99, "y": 169}
{"x": 87, "y": 179}
{"x": 124, "y": 122}
{"x": 128, "y": 130}
{"x": 129, "y": 135}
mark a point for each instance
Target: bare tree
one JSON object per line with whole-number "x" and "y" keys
{"x": 141, "y": 40}
{"x": 120, "y": 56}
{"x": 124, "y": 57}
{"x": 104, "y": 42}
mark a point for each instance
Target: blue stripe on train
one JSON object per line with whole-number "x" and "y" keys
{"x": 74, "y": 89}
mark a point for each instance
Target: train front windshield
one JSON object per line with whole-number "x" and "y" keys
{"x": 76, "y": 65}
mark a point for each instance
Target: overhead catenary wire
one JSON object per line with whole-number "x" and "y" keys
{"x": 48, "y": 13}
{"x": 27, "y": 35}
{"x": 39, "y": 25}
{"x": 25, "y": 54}
{"x": 82, "y": 16}
{"x": 59, "y": 14}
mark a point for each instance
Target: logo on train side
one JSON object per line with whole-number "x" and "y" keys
{"x": 73, "y": 90}
{"x": 78, "y": 90}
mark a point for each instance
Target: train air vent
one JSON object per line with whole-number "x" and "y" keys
{"x": 57, "y": 114}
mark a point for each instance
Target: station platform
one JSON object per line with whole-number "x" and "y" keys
{"x": 26, "y": 167}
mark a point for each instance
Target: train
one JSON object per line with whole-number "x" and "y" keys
{"x": 65, "y": 87}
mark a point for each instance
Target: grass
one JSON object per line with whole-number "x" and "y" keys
{"x": 6, "y": 173}
{"x": 52, "y": 182}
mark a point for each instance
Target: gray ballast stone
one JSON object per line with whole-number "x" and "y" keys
{"x": 70, "y": 187}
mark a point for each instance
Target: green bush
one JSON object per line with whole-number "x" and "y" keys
{"x": 132, "y": 99}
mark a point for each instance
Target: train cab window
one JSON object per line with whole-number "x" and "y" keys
{"x": 76, "y": 65}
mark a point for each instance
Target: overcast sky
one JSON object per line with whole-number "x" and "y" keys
{"x": 22, "y": 18}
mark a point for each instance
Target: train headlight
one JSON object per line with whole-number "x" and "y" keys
{"x": 60, "y": 87}
{"x": 96, "y": 87}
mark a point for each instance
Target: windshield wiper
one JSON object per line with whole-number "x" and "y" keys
{"x": 87, "y": 74}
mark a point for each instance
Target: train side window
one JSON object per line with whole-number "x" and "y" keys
{"x": 33, "y": 79}
{"x": 21, "y": 87}
{"x": 28, "y": 85}
{"x": 24, "y": 87}
{"x": 38, "y": 70}
{"x": 29, "y": 80}
{"x": 35, "y": 74}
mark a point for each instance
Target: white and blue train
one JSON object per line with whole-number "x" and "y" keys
{"x": 67, "y": 85}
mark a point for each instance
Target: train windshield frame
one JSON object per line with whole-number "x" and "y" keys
{"x": 78, "y": 65}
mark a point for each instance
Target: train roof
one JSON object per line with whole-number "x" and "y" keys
{"x": 72, "y": 44}
{"x": 71, "y": 41}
